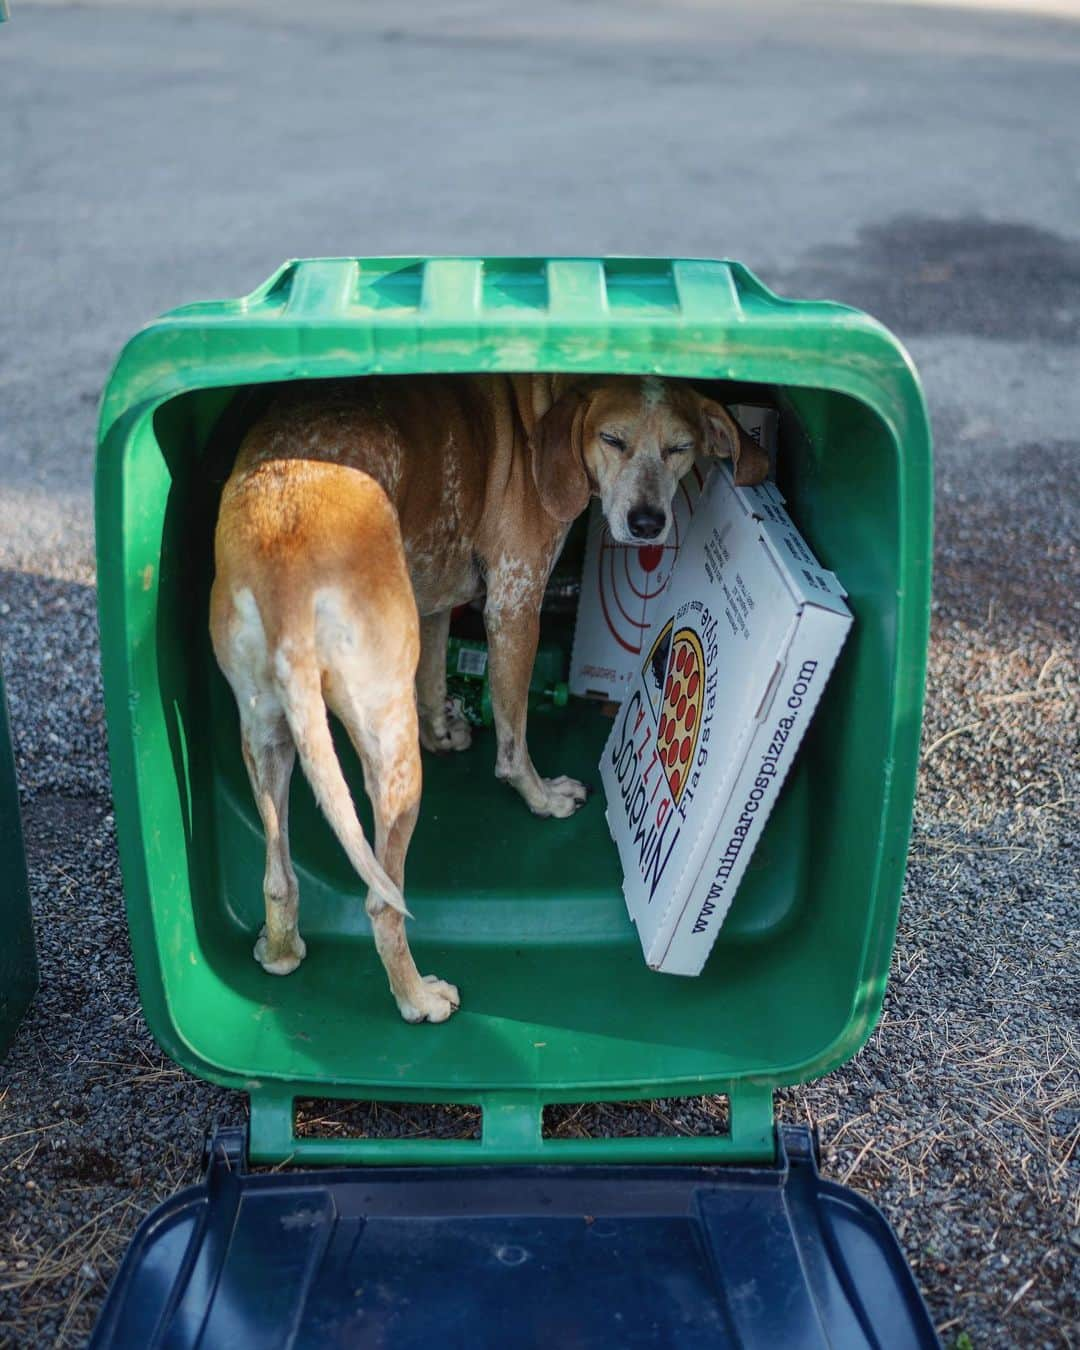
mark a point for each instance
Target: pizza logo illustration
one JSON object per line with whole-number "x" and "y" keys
{"x": 680, "y": 708}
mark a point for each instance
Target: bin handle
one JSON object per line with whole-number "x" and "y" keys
{"x": 511, "y": 1134}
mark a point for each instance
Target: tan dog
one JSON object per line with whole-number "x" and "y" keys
{"x": 357, "y": 515}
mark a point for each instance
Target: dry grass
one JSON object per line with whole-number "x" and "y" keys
{"x": 663, "y": 1117}
{"x": 54, "y": 1269}
{"x": 317, "y": 1118}
{"x": 669, "y": 1117}
{"x": 981, "y": 1183}
{"x": 63, "y": 1275}
{"x": 1010, "y": 745}
{"x": 962, "y": 1115}
{"x": 1013, "y": 1097}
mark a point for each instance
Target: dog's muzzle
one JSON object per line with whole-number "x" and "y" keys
{"x": 645, "y": 522}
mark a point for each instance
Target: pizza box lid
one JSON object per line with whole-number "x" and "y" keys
{"x": 746, "y": 611}
{"x": 592, "y": 1257}
{"x": 809, "y": 582}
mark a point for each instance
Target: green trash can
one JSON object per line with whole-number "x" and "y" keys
{"x": 18, "y": 959}
{"x": 526, "y": 915}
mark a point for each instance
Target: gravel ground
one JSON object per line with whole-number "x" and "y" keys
{"x": 954, "y": 222}
{"x": 960, "y": 1118}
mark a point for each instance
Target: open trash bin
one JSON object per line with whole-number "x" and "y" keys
{"x": 525, "y": 915}
{"x": 18, "y": 958}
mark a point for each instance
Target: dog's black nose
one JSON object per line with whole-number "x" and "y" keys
{"x": 645, "y": 522}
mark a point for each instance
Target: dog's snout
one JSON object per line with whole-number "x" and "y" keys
{"x": 645, "y": 522}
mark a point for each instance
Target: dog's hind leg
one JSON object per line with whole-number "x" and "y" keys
{"x": 269, "y": 754}
{"x": 440, "y": 728}
{"x": 386, "y": 738}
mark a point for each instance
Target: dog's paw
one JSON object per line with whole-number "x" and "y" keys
{"x": 559, "y": 797}
{"x": 281, "y": 958}
{"x": 458, "y": 730}
{"x": 435, "y": 1001}
{"x": 448, "y": 732}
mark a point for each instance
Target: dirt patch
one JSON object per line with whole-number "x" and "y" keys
{"x": 89, "y": 1165}
{"x": 960, "y": 275}
{"x": 1011, "y": 561}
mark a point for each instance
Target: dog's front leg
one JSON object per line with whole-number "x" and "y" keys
{"x": 441, "y": 729}
{"x": 512, "y": 619}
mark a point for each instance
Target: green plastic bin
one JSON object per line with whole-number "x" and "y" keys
{"x": 526, "y": 915}
{"x": 18, "y": 959}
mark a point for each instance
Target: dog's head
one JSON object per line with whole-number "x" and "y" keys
{"x": 628, "y": 440}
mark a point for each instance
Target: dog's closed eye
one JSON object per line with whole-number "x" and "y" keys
{"x": 616, "y": 442}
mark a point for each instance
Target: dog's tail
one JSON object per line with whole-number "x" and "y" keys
{"x": 299, "y": 687}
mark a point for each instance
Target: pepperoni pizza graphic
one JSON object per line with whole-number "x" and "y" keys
{"x": 680, "y": 708}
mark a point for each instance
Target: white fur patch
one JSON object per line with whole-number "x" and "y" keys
{"x": 246, "y": 663}
{"x": 282, "y": 667}
{"x": 512, "y": 584}
{"x": 248, "y": 655}
{"x": 335, "y": 631}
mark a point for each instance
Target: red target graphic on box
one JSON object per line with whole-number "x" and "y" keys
{"x": 629, "y": 578}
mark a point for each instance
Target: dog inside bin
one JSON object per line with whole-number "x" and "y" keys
{"x": 526, "y": 915}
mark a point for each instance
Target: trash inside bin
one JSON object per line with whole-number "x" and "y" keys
{"x": 526, "y": 915}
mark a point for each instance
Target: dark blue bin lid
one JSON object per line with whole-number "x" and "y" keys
{"x": 578, "y": 1257}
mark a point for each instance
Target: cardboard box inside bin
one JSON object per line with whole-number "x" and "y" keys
{"x": 741, "y": 645}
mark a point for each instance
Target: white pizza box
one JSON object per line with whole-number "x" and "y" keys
{"x": 622, "y": 584}
{"x": 753, "y": 615}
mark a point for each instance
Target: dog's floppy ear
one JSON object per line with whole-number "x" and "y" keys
{"x": 726, "y": 439}
{"x": 558, "y": 459}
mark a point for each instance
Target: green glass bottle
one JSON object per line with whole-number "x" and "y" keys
{"x": 467, "y": 680}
